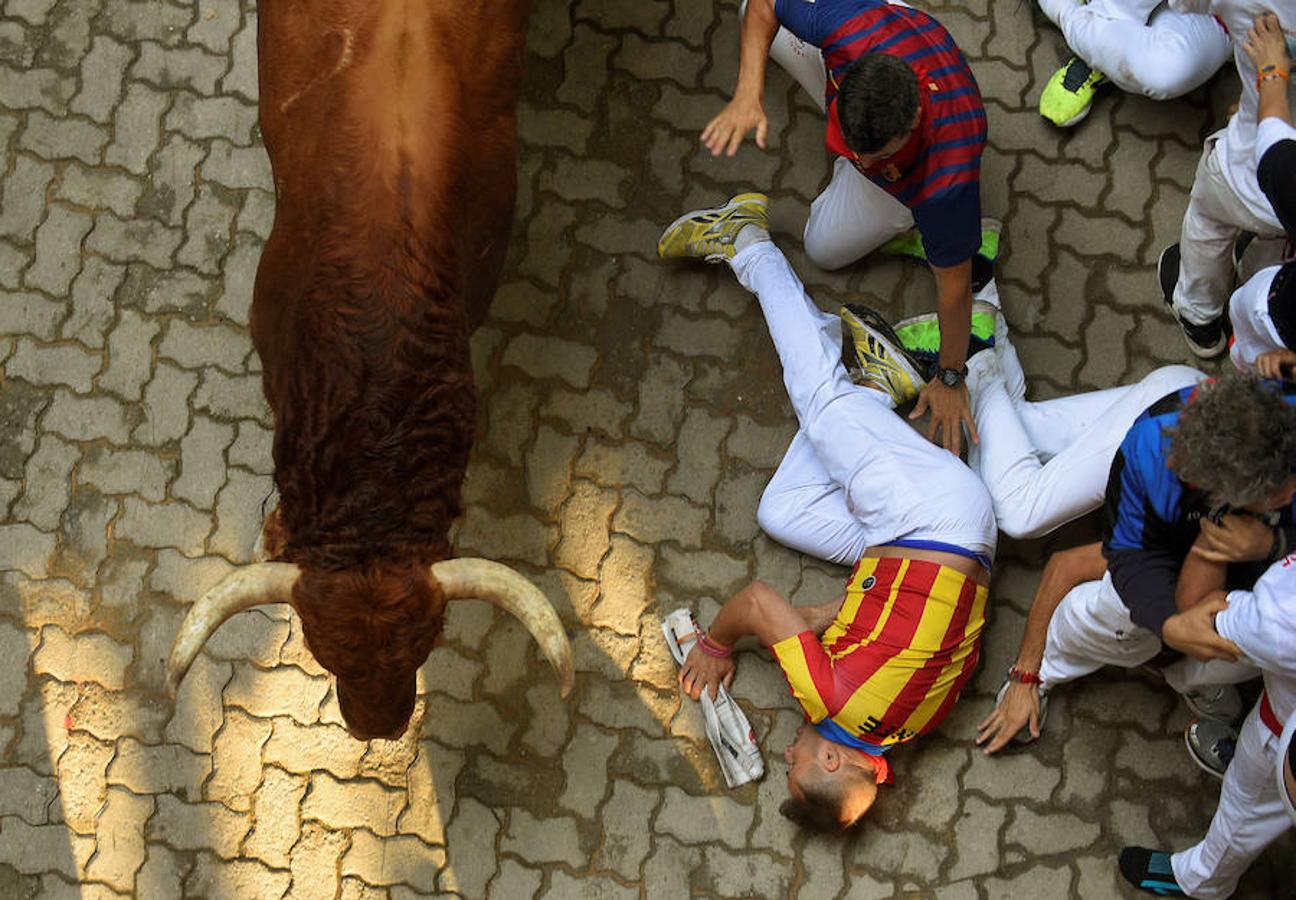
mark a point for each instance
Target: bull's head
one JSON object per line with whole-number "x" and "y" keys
{"x": 374, "y": 650}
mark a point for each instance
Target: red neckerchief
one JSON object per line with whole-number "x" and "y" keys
{"x": 882, "y": 770}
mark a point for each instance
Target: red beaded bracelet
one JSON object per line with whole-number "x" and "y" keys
{"x": 1021, "y": 676}
{"x": 711, "y": 648}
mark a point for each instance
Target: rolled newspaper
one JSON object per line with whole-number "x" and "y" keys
{"x": 731, "y": 734}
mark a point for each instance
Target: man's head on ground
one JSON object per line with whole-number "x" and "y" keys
{"x": 878, "y": 106}
{"x": 1237, "y": 440}
{"x": 831, "y": 786}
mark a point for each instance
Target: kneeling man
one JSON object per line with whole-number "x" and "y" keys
{"x": 885, "y": 662}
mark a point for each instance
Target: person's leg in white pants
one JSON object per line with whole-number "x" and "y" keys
{"x": 1141, "y": 45}
{"x": 1249, "y": 818}
{"x": 894, "y": 482}
{"x": 1215, "y": 217}
{"x": 1047, "y": 463}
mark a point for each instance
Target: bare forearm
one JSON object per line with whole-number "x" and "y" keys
{"x": 759, "y": 26}
{"x": 757, "y": 610}
{"x": 1273, "y": 100}
{"x": 1062, "y": 572}
{"x": 954, "y": 312}
{"x": 1198, "y": 579}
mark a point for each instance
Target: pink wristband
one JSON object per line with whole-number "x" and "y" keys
{"x": 711, "y": 648}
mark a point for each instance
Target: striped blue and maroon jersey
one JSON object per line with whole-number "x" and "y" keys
{"x": 937, "y": 173}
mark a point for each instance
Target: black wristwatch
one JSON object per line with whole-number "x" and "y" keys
{"x": 951, "y": 377}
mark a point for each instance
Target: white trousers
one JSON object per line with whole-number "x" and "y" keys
{"x": 1092, "y": 628}
{"x": 1047, "y": 463}
{"x": 1142, "y": 46}
{"x": 1215, "y": 217}
{"x": 852, "y": 217}
{"x": 1249, "y": 818}
{"x": 856, "y": 475}
{"x": 1253, "y": 329}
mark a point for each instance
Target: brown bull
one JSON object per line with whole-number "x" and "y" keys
{"x": 391, "y": 129}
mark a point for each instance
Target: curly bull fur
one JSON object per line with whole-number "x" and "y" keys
{"x": 391, "y": 132}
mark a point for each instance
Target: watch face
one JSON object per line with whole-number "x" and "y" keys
{"x": 949, "y": 377}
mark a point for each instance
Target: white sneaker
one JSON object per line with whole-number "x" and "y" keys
{"x": 1221, "y": 702}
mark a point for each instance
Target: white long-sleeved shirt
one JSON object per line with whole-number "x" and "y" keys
{"x": 1262, "y": 622}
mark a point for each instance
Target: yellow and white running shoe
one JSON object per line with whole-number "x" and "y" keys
{"x": 710, "y": 234}
{"x": 874, "y": 355}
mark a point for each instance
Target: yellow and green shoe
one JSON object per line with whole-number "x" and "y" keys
{"x": 1069, "y": 94}
{"x": 874, "y": 356}
{"x": 710, "y": 234}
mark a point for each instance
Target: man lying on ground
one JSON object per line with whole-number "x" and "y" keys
{"x": 884, "y": 663}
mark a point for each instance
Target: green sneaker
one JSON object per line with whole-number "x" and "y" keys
{"x": 873, "y": 355}
{"x": 1069, "y": 94}
{"x": 710, "y": 233}
{"x": 909, "y": 243}
{"x": 920, "y": 335}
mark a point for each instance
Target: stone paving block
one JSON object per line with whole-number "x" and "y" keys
{"x": 15, "y": 648}
{"x": 34, "y": 849}
{"x": 198, "y": 710}
{"x": 746, "y": 874}
{"x": 198, "y": 826}
{"x": 165, "y": 769}
{"x": 212, "y": 877}
{"x": 136, "y": 128}
{"x": 44, "y": 731}
{"x": 242, "y": 76}
{"x": 630, "y": 464}
{"x": 304, "y": 749}
{"x": 84, "y": 657}
{"x": 236, "y": 760}
{"x": 171, "y": 188}
{"x": 548, "y": 469}
{"x": 102, "y": 71}
{"x": 667, "y": 871}
{"x": 26, "y": 549}
{"x": 252, "y": 447}
{"x": 27, "y": 795}
{"x": 626, "y": 577}
{"x": 238, "y": 514}
{"x": 159, "y": 525}
{"x": 51, "y": 138}
{"x": 1049, "y": 881}
{"x": 585, "y": 763}
{"x": 585, "y": 529}
{"x": 120, "y": 840}
{"x": 129, "y": 355}
{"x": 61, "y": 364}
{"x": 48, "y": 482}
{"x": 208, "y": 222}
{"x": 125, "y": 471}
{"x": 162, "y": 874}
{"x": 519, "y": 537}
{"x": 237, "y": 167}
{"x": 23, "y": 193}
{"x": 81, "y": 769}
{"x": 395, "y": 860}
{"x": 700, "y": 819}
{"x": 472, "y": 837}
{"x": 202, "y": 461}
{"x": 352, "y": 804}
{"x": 31, "y": 313}
{"x": 166, "y": 413}
{"x": 314, "y": 863}
{"x": 179, "y": 67}
{"x": 431, "y": 786}
{"x": 281, "y": 691}
{"x": 111, "y": 715}
{"x": 35, "y": 89}
{"x": 592, "y": 887}
{"x": 235, "y": 300}
{"x": 626, "y": 837}
{"x": 58, "y": 240}
{"x": 976, "y": 841}
{"x": 543, "y": 840}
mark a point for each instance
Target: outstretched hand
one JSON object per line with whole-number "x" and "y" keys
{"x": 725, "y": 133}
{"x": 1266, "y": 43}
{"x": 950, "y": 408}
{"x": 1020, "y": 706}
{"x": 703, "y": 671}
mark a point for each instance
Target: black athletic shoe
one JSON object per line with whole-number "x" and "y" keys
{"x": 1149, "y": 871}
{"x": 1206, "y": 341}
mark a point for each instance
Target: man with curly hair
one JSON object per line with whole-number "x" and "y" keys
{"x": 1204, "y": 475}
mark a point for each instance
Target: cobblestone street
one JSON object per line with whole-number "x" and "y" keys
{"x": 630, "y": 414}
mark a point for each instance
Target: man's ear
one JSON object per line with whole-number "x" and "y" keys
{"x": 830, "y": 757}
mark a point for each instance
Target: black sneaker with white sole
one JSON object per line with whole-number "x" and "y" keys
{"x": 1205, "y": 341}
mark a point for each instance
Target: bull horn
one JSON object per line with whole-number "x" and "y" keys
{"x": 482, "y": 579}
{"x": 244, "y": 588}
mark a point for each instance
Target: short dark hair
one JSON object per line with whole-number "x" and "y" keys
{"x": 1236, "y": 439}
{"x": 822, "y": 798}
{"x": 877, "y": 101}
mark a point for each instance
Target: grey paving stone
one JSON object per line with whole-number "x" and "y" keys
{"x": 171, "y": 188}
{"x": 202, "y": 462}
{"x": 214, "y": 27}
{"x": 236, "y": 167}
{"x": 166, "y": 411}
{"x": 158, "y": 525}
{"x": 23, "y": 197}
{"x": 99, "y": 188}
{"x": 102, "y": 72}
{"x": 61, "y": 364}
{"x": 177, "y": 67}
{"x": 136, "y": 126}
{"x": 54, "y": 138}
{"x": 58, "y": 257}
{"x": 85, "y": 419}
{"x": 27, "y": 88}
{"x": 242, "y": 77}
{"x": 129, "y": 355}
{"x": 238, "y": 514}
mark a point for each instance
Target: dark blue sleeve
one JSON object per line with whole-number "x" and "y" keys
{"x": 950, "y": 224}
{"x": 1138, "y": 539}
{"x": 802, "y": 18}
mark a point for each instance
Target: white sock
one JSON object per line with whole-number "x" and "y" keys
{"x": 748, "y": 235}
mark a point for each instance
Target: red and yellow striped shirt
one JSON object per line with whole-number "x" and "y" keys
{"x": 902, "y": 647}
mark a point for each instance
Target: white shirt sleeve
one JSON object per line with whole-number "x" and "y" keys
{"x": 1271, "y": 131}
{"x": 1190, "y": 6}
{"x": 1262, "y": 621}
